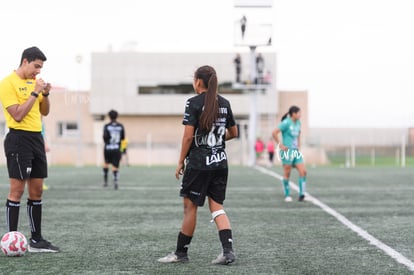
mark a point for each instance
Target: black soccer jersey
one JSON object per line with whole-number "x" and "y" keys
{"x": 113, "y": 134}
{"x": 207, "y": 149}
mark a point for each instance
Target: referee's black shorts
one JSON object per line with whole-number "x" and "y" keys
{"x": 25, "y": 153}
{"x": 197, "y": 184}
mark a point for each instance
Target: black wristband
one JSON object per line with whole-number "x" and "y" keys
{"x": 45, "y": 95}
{"x": 34, "y": 94}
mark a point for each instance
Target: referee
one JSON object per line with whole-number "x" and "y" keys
{"x": 24, "y": 101}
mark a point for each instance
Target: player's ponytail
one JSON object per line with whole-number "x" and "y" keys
{"x": 293, "y": 109}
{"x": 284, "y": 116}
{"x": 210, "y": 111}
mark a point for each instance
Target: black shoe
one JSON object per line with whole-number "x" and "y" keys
{"x": 301, "y": 198}
{"x": 42, "y": 246}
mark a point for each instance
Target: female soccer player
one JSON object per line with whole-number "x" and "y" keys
{"x": 209, "y": 122}
{"x": 289, "y": 151}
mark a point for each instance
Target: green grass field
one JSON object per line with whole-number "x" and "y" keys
{"x": 380, "y": 161}
{"x": 103, "y": 231}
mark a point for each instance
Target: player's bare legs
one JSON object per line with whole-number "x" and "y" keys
{"x": 190, "y": 217}
{"x": 225, "y": 234}
{"x": 185, "y": 235}
{"x": 286, "y": 175}
{"x": 16, "y": 189}
{"x": 302, "y": 180}
{"x": 222, "y": 221}
{"x": 35, "y": 188}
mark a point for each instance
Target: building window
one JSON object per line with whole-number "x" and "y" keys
{"x": 68, "y": 129}
{"x": 166, "y": 89}
{"x": 184, "y": 88}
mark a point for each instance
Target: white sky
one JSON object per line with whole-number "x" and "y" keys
{"x": 355, "y": 57}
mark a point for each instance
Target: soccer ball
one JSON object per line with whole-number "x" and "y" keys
{"x": 14, "y": 244}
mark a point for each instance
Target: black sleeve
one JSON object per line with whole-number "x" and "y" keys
{"x": 123, "y": 133}
{"x": 106, "y": 135}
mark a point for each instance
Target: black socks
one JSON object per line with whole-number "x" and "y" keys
{"x": 34, "y": 213}
{"x": 226, "y": 240}
{"x": 183, "y": 242}
{"x": 12, "y": 214}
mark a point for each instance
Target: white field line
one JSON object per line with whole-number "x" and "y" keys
{"x": 361, "y": 232}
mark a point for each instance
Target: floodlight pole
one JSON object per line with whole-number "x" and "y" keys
{"x": 253, "y": 108}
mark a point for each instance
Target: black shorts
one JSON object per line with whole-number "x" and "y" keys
{"x": 112, "y": 157}
{"x": 25, "y": 153}
{"x": 197, "y": 184}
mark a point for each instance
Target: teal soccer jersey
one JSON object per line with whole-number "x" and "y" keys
{"x": 290, "y": 132}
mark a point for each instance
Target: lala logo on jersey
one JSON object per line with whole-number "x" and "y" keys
{"x": 215, "y": 158}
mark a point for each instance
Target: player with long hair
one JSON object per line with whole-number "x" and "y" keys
{"x": 289, "y": 150}
{"x": 208, "y": 123}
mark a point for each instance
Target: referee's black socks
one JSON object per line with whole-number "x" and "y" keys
{"x": 12, "y": 214}
{"x": 34, "y": 213}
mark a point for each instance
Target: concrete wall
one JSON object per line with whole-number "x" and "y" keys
{"x": 116, "y": 78}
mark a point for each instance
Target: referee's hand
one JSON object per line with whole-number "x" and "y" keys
{"x": 47, "y": 88}
{"x": 39, "y": 86}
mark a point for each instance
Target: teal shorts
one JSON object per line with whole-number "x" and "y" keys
{"x": 291, "y": 157}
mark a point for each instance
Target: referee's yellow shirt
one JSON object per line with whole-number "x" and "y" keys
{"x": 14, "y": 90}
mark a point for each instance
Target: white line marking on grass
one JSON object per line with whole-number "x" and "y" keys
{"x": 361, "y": 232}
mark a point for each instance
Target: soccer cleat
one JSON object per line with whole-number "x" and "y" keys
{"x": 174, "y": 258}
{"x": 303, "y": 198}
{"x": 288, "y": 199}
{"x": 224, "y": 258}
{"x": 42, "y": 246}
